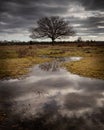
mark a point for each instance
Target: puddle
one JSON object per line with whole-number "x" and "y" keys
{"x": 51, "y": 88}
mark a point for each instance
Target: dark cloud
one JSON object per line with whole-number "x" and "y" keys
{"x": 93, "y": 4}
{"x": 15, "y": 15}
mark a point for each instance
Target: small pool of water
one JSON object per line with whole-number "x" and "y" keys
{"x": 48, "y": 87}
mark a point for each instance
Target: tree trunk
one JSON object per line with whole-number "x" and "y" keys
{"x": 53, "y": 41}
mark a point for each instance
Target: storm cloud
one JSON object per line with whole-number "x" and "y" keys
{"x": 17, "y": 17}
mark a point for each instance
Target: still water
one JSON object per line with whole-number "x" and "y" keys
{"x": 49, "y": 87}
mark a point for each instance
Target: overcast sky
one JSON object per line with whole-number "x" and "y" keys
{"x": 18, "y": 16}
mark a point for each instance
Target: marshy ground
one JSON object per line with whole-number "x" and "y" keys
{"x": 50, "y": 97}
{"x": 15, "y": 60}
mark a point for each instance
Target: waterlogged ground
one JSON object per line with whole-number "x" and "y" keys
{"x": 49, "y": 95}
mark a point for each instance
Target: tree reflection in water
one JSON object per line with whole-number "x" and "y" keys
{"x": 50, "y": 66}
{"x": 45, "y": 99}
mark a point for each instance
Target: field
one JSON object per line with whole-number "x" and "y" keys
{"x": 15, "y": 60}
{"x": 20, "y": 97}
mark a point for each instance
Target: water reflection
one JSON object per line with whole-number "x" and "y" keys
{"x": 55, "y": 65}
{"x": 51, "y": 88}
{"x": 51, "y": 66}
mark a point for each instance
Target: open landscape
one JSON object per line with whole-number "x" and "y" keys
{"x": 34, "y": 78}
{"x": 51, "y": 64}
{"x": 16, "y": 60}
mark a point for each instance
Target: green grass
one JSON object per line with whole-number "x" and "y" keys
{"x": 15, "y": 60}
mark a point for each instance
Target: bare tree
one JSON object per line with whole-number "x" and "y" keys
{"x": 52, "y": 27}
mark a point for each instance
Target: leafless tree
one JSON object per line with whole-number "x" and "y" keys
{"x": 53, "y": 27}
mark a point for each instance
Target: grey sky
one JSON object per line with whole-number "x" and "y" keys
{"x": 18, "y": 16}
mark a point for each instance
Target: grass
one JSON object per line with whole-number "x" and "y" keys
{"x": 92, "y": 64}
{"x": 15, "y": 60}
{"x": 16, "y": 67}
{"x": 89, "y": 67}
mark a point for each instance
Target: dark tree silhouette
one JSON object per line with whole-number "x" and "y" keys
{"x": 79, "y": 39}
{"x": 52, "y": 27}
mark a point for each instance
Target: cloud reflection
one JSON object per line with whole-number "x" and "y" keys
{"x": 49, "y": 90}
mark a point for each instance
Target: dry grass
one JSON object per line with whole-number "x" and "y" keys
{"x": 16, "y": 67}
{"x": 88, "y": 67}
{"x": 15, "y": 60}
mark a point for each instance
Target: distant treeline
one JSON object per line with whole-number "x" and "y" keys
{"x": 78, "y": 43}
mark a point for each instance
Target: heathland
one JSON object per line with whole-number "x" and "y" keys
{"x": 15, "y": 60}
